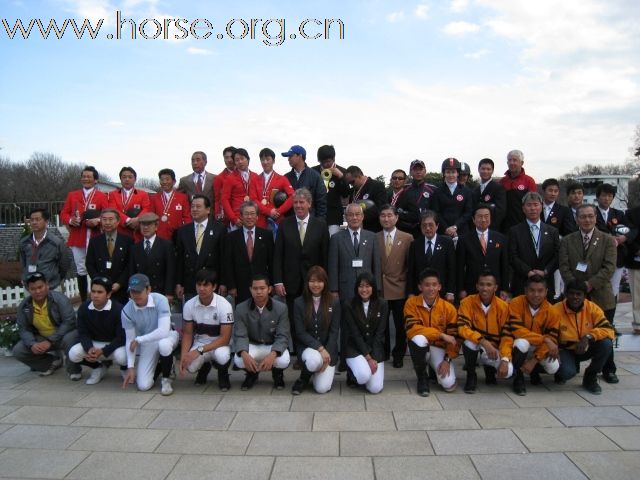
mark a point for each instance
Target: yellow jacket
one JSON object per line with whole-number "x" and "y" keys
{"x": 545, "y": 324}
{"x": 474, "y": 325}
{"x": 575, "y": 325}
{"x": 442, "y": 318}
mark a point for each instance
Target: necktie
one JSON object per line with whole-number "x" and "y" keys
{"x": 250, "y": 244}
{"x": 536, "y": 237}
{"x": 303, "y": 231}
{"x": 147, "y": 247}
{"x": 388, "y": 245}
{"x": 199, "y": 235}
{"x": 110, "y": 246}
{"x": 585, "y": 242}
{"x": 199, "y": 183}
{"x": 483, "y": 243}
{"x": 356, "y": 244}
{"x": 429, "y": 253}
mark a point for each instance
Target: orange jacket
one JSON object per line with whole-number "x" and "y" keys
{"x": 536, "y": 328}
{"x": 474, "y": 325}
{"x": 575, "y": 325}
{"x": 442, "y": 318}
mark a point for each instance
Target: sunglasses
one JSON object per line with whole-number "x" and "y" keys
{"x": 34, "y": 277}
{"x": 398, "y": 178}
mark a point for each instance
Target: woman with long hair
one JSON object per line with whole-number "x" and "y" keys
{"x": 316, "y": 316}
{"x": 365, "y": 320}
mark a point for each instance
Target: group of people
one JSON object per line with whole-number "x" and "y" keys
{"x": 316, "y": 262}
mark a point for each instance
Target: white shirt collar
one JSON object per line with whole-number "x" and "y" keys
{"x": 305, "y": 219}
{"x": 212, "y": 304}
{"x": 485, "y": 308}
{"x": 203, "y": 174}
{"x": 482, "y": 233}
{"x": 203, "y": 223}
{"x": 351, "y": 232}
{"x": 392, "y": 233}
{"x": 106, "y": 307}
{"x": 150, "y": 303}
{"x": 533, "y": 310}
{"x": 530, "y": 223}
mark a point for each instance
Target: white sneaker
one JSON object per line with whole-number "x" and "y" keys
{"x": 96, "y": 375}
{"x": 55, "y": 365}
{"x": 166, "y": 388}
{"x": 75, "y": 376}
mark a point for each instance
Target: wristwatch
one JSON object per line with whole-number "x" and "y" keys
{"x": 200, "y": 350}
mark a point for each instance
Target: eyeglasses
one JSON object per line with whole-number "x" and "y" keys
{"x": 398, "y": 178}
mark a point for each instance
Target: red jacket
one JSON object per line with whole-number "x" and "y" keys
{"x": 218, "y": 183}
{"x": 264, "y": 197}
{"x": 522, "y": 182}
{"x": 76, "y": 202}
{"x": 177, "y": 212}
{"x": 138, "y": 200}
{"x": 234, "y": 192}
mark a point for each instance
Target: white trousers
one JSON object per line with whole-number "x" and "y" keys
{"x": 634, "y": 283}
{"x": 148, "y": 355}
{"x": 220, "y": 355}
{"x": 550, "y": 366}
{"x": 322, "y": 381}
{"x": 615, "y": 281}
{"x": 79, "y": 256}
{"x": 259, "y": 352}
{"x": 485, "y": 360}
{"x": 119, "y": 355}
{"x": 558, "y": 284}
{"x": 435, "y": 357}
{"x": 374, "y": 382}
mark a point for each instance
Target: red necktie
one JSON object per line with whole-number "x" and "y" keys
{"x": 250, "y": 244}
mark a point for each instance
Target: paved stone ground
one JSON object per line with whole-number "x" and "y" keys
{"x": 54, "y": 428}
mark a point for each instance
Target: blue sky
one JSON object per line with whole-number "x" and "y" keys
{"x": 410, "y": 79}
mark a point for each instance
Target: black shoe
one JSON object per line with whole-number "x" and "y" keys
{"x": 297, "y": 365}
{"x": 471, "y": 384}
{"x": 518, "y": 384}
{"x": 203, "y": 373}
{"x": 423, "y": 386}
{"x": 559, "y": 380}
{"x": 351, "y": 379}
{"x": 433, "y": 376}
{"x": 249, "y": 381}
{"x": 535, "y": 378}
{"x": 398, "y": 362}
{"x": 590, "y": 384}
{"x": 278, "y": 378}
{"x": 298, "y": 387}
{"x": 610, "y": 377}
{"x": 157, "y": 372}
{"x": 490, "y": 376}
{"x": 224, "y": 384}
{"x": 342, "y": 366}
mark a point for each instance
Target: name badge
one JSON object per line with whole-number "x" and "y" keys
{"x": 108, "y": 265}
{"x": 32, "y": 268}
{"x": 581, "y": 267}
{"x": 357, "y": 263}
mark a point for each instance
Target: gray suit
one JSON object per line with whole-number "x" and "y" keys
{"x": 342, "y": 274}
{"x": 269, "y": 328}
{"x": 188, "y": 186}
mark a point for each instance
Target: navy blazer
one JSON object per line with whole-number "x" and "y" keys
{"x": 443, "y": 261}
{"x": 470, "y": 261}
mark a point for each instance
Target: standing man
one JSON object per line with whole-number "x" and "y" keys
{"x": 170, "y": 205}
{"x": 130, "y": 203}
{"x": 398, "y": 184}
{"x": 219, "y": 181}
{"x": 633, "y": 264}
{"x": 416, "y": 198}
{"x": 516, "y": 183}
{"x": 261, "y": 335}
{"x": 206, "y": 332}
{"x": 199, "y": 246}
{"x": 47, "y": 325}
{"x": 589, "y": 256}
{"x": 237, "y": 188}
{"x": 155, "y": 257}
{"x": 333, "y": 176}
{"x": 44, "y": 253}
{"x": 81, "y": 215}
{"x": 200, "y": 181}
{"x": 553, "y": 213}
{"x": 303, "y": 176}
{"x": 575, "y": 198}
{"x": 490, "y": 193}
{"x": 481, "y": 250}
{"x": 393, "y": 246}
{"x": 453, "y": 201}
{"x": 533, "y": 247}
{"x": 146, "y": 320}
{"x": 108, "y": 255}
{"x": 370, "y": 194}
{"x": 248, "y": 252}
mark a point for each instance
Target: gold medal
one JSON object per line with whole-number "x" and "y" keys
{"x": 246, "y": 198}
{"x": 264, "y": 201}
{"x": 164, "y": 218}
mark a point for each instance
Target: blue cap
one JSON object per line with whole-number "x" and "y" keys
{"x": 138, "y": 282}
{"x": 296, "y": 149}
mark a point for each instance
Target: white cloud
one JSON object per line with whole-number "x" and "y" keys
{"x": 477, "y": 54}
{"x": 458, "y": 5}
{"x": 422, "y": 11}
{"x": 198, "y": 51}
{"x": 395, "y": 16}
{"x": 460, "y": 28}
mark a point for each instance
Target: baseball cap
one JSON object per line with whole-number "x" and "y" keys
{"x": 297, "y": 150}
{"x": 138, "y": 282}
{"x": 417, "y": 163}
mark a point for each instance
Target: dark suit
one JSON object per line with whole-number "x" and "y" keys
{"x": 364, "y": 335}
{"x": 189, "y": 261}
{"x": 615, "y": 217}
{"x": 239, "y": 269}
{"x": 188, "y": 186}
{"x": 523, "y": 256}
{"x": 98, "y": 256}
{"x": 470, "y": 261}
{"x": 317, "y": 331}
{"x": 159, "y": 265}
{"x": 560, "y": 217}
{"x": 372, "y": 190}
{"x": 443, "y": 261}
{"x": 454, "y": 208}
{"x": 338, "y": 188}
{"x": 495, "y": 196}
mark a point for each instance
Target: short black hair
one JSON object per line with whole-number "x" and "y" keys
{"x": 232, "y": 150}
{"x": 550, "y": 182}
{"x": 573, "y": 186}
{"x": 388, "y": 206}
{"x": 91, "y": 169}
{"x": 167, "y": 171}
{"x": 482, "y": 206}
{"x": 43, "y": 211}
{"x": 260, "y": 276}
{"x": 428, "y": 273}
{"x": 205, "y": 276}
{"x": 103, "y": 282}
{"x": 430, "y": 214}
{"x": 577, "y": 285}
{"x": 535, "y": 279}
{"x": 606, "y": 188}
{"x": 127, "y": 169}
{"x": 487, "y": 273}
{"x": 207, "y": 202}
{"x": 355, "y": 170}
{"x": 326, "y": 152}
{"x": 487, "y": 161}
{"x": 266, "y": 152}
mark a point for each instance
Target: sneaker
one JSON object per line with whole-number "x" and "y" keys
{"x": 96, "y": 375}
{"x": 75, "y": 376}
{"x": 203, "y": 373}
{"x": 298, "y": 387}
{"x": 165, "y": 387}
{"x": 278, "y": 378}
{"x": 249, "y": 381}
{"x": 423, "y": 386}
{"x": 224, "y": 383}
{"x": 55, "y": 365}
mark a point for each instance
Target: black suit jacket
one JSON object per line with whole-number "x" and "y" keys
{"x": 523, "y": 258}
{"x": 633, "y": 244}
{"x": 159, "y": 265}
{"x": 98, "y": 256}
{"x": 372, "y": 190}
{"x": 443, "y": 260}
{"x": 453, "y": 209}
{"x": 470, "y": 261}
{"x": 292, "y": 260}
{"x": 561, "y": 217}
{"x": 239, "y": 270}
{"x": 189, "y": 261}
{"x": 338, "y": 188}
{"x": 616, "y": 217}
{"x": 495, "y": 196}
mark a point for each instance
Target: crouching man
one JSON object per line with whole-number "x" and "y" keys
{"x": 261, "y": 335}
{"x": 431, "y": 326}
{"x": 47, "y": 326}
{"x": 585, "y": 333}
{"x": 534, "y": 325}
{"x": 206, "y": 332}
{"x": 483, "y": 324}
{"x": 100, "y": 332}
{"x": 146, "y": 320}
